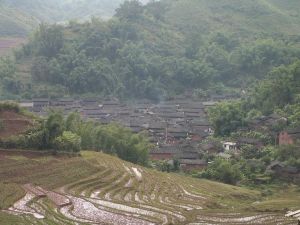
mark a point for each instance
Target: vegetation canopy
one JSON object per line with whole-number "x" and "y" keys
{"x": 157, "y": 50}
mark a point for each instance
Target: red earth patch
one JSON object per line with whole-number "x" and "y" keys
{"x": 13, "y": 124}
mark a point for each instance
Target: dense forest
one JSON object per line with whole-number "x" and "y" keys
{"x": 145, "y": 51}
{"x": 278, "y": 93}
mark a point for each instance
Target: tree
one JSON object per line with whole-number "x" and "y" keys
{"x": 130, "y": 10}
{"x": 40, "y": 69}
{"x": 86, "y": 130}
{"x": 50, "y": 40}
{"x": 287, "y": 152}
{"x": 115, "y": 139}
{"x": 227, "y": 117}
{"x": 157, "y": 9}
{"x": 68, "y": 142}
{"x": 54, "y": 127}
{"x": 224, "y": 171}
{"x": 7, "y": 67}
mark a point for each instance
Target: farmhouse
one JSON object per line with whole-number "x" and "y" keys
{"x": 210, "y": 148}
{"x": 26, "y": 105}
{"x": 192, "y": 164}
{"x": 283, "y": 171}
{"x": 166, "y": 152}
{"x": 40, "y": 105}
{"x": 169, "y": 124}
{"x": 266, "y": 123}
{"x": 229, "y": 146}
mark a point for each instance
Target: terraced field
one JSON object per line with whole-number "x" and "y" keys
{"x": 101, "y": 189}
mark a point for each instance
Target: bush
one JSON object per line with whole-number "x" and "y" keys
{"x": 115, "y": 139}
{"x": 13, "y": 142}
{"x": 10, "y": 106}
{"x": 68, "y": 142}
{"x": 224, "y": 171}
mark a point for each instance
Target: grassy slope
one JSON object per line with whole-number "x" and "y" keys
{"x": 97, "y": 171}
{"x": 244, "y": 17}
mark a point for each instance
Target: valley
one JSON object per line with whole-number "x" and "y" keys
{"x": 158, "y": 112}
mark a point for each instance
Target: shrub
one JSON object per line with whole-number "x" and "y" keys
{"x": 223, "y": 171}
{"x": 68, "y": 142}
{"x": 11, "y": 106}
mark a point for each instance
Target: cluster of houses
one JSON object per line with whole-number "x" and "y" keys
{"x": 176, "y": 127}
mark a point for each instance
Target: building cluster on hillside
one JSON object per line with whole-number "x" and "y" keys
{"x": 175, "y": 127}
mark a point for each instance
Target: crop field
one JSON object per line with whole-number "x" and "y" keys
{"x": 96, "y": 188}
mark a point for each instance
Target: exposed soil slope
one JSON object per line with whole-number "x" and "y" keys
{"x": 13, "y": 124}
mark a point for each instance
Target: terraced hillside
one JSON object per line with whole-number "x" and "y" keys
{"x": 101, "y": 189}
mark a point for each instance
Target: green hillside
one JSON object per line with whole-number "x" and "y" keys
{"x": 98, "y": 188}
{"x": 161, "y": 49}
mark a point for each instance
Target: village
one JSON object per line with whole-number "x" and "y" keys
{"x": 178, "y": 128}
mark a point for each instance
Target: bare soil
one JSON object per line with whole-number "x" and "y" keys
{"x": 13, "y": 124}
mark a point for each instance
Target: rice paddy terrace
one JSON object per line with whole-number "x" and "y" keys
{"x": 100, "y": 189}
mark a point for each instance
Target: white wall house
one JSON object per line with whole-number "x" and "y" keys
{"x": 229, "y": 146}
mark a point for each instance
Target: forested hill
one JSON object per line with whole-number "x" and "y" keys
{"x": 20, "y": 17}
{"x": 159, "y": 50}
